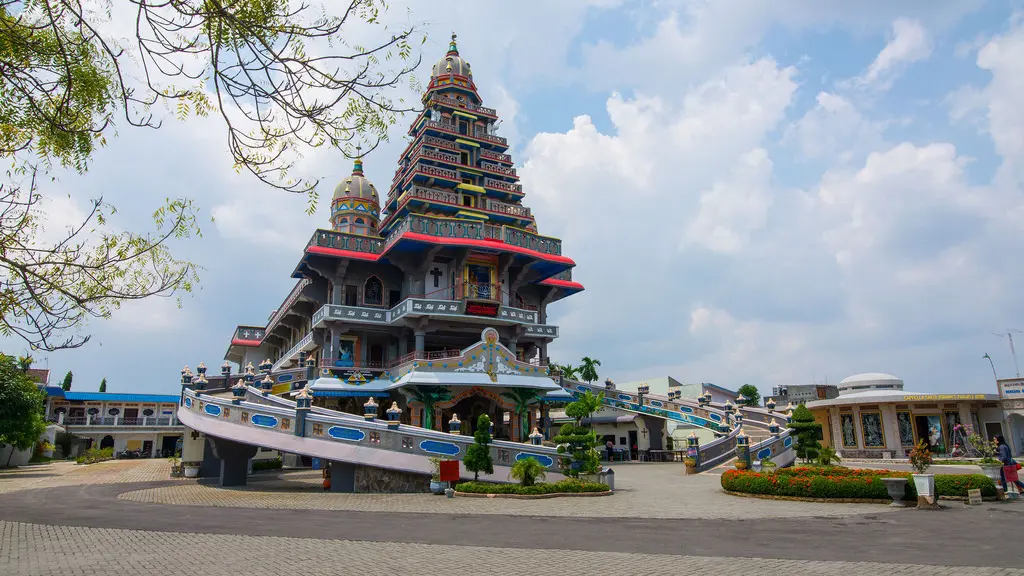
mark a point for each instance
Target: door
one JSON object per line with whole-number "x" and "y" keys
{"x": 480, "y": 281}
{"x": 633, "y": 446}
{"x": 992, "y": 429}
{"x": 376, "y": 355}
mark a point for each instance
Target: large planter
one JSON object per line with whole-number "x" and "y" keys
{"x": 897, "y": 488}
{"x": 437, "y": 487}
{"x": 596, "y": 478}
{"x": 992, "y": 471}
{"x": 741, "y": 464}
{"x": 191, "y": 471}
{"x": 925, "y": 485}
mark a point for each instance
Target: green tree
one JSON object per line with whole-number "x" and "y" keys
{"x": 281, "y": 76}
{"x": 577, "y": 442}
{"x": 528, "y": 471}
{"x": 478, "y": 456}
{"x": 429, "y": 396}
{"x": 807, "y": 431}
{"x": 751, "y": 395}
{"x": 103, "y": 385}
{"x": 588, "y": 369}
{"x": 66, "y": 384}
{"x": 25, "y": 363}
{"x": 21, "y": 407}
{"x": 568, "y": 371}
{"x": 522, "y": 398}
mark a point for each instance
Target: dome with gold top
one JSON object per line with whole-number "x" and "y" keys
{"x": 452, "y": 63}
{"x": 355, "y": 207}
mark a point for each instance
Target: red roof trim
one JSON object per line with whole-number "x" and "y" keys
{"x": 568, "y": 284}
{"x": 342, "y": 253}
{"x": 489, "y": 244}
{"x": 240, "y": 342}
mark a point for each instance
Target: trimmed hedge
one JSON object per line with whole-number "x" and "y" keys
{"x": 563, "y": 486}
{"x": 836, "y": 482}
{"x": 94, "y": 455}
{"x": 274, "y": 464}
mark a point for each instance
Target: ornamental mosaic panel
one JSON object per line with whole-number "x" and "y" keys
{"x": 318, "y": 429}
{"x": 356, "y": 314}
{"x": 542, "y": 330}
{"x": 871, "y": 428}
{"x": 374, "y": 437}
{"x": 249, "y": 333}
{"x": 510, "y": 313}
{"x": 848, "y": 430}
{"x": 906, "y": 428}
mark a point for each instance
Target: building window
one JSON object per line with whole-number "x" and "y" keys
{"x": 113, "y": 411}
{"x": 92, "y": 411}
{"x": 373, "y": 292}
{"x": 147, "y": 412}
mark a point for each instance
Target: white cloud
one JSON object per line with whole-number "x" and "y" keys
{"x": 909, "y": 43}
{"x": 834, "y": 128}
{"x": 733, "y": 209}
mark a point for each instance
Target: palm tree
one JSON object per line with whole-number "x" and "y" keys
{"x": 584, "y": 405}
{"x": 429, "y": 396}
{"x": 522, "y": 398}
{"x": 588, "y": 369}
{"x": 568, "y": 371}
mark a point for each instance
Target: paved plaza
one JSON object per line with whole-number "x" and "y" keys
{"x": 127, "y": 517}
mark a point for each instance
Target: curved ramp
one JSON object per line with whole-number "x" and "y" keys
{"x": 277, "y": 423}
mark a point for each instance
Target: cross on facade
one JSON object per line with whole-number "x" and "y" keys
{"x": 436, "y": 273}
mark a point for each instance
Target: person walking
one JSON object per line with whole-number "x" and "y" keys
{"x": 610, "y": 447}
{"x": 1003, "y": 455}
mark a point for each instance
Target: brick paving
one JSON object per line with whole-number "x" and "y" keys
{"x": 642, "y": 491}
{"x": 35, "y": 550}
{"x": 71, "y": 474}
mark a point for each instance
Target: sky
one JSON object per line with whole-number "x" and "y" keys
{"x": 783, "y": 192}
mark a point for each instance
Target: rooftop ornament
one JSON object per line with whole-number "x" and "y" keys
{"x": 394, "y": 415}
{"x": 186, "y": 376}
{"x": 201, "y": 369}
{"x": 773, "y": 427}
{"x": 267, "y": 384}
{"x": 729, "y": 406}
{"x": 455, "y": 425}
{"x": 239, "y": 389}
{"x": 225, "y": 369}
{"x": 266, "y": 366}
{"x": 769, "y": 404}
{"x": 250, "y": 375}
{"x": 200, "y": 382}
{"x": 370, "y": 410}
{"x": 608, "y": 384}
{"x": 741, "y": 399}
{"x": 304, "y": 398}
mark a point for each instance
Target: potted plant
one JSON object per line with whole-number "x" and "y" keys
{"x": 897, "y": 489}
{"x": 989, "y": 465}
{"x": 175, "y": 466}
{"x": 436, "y": 486}
{"x": 920, "y": 461}
{"x": 191, "y": 469}
{"x": 767, "y": 466}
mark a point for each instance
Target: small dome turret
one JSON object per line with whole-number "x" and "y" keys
{"x": 452, "y": 63}
{"x": 355, "y": 207}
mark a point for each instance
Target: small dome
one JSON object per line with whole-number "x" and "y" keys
{"x": 452, "y": 63}
{"x": 356, "y": 185}
{"x": 870, "y": 377}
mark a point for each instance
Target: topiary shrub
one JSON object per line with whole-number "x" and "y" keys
{"x": 836, "y": 482}
{"x": 568, "y": 486}
{"x": 94, "y": 455}
{"x": 478, "y": 456}
{"x": 528, "y": 471}
{"x": 806, "y": 431}
{"x": 271, "y": 464}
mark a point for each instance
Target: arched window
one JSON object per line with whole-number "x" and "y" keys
{"x": 94, "y": 411}
{"x": 113, "y": 411}
{"x": 373, "y": 292}
{"x": 360, "y": 227}
{"x": 147, "y": 412}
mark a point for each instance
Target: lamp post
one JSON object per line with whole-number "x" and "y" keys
{"x": 989, "y": 358}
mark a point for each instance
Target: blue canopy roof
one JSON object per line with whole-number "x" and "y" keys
{"x": 120, "y": 397}
{"x": 55, "y": 391}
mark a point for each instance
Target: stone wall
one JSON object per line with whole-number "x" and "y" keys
{"x": 380, "y": 480}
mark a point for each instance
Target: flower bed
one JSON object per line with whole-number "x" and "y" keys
{"x": 846, "y": 483}
{"x": 94, "y": 455}
{"x": 569, "y": 486}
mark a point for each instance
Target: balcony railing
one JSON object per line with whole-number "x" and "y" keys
{"x": 449, "y": 101}
{"x": 345, "y": 241}
{"x": 503, "y": 186}
{"x": 108, "y": 421}
{"x": 498, "y": 168}
{"x": 434, "y": 355}
{"x": 449, "y": 126}
{"x": 483, "y": 135}
{"x": 492, "y": 155}
{"x": 287, "y": 356}
{"x": 447, "y": 228}
{"x": 288, "y": 302}
{"x": 433, "y": 195}
{"x": 509, "y": 209}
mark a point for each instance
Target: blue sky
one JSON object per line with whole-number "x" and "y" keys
{"x": 762, "y": 192}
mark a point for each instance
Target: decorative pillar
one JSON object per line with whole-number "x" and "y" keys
{"x": 310, "y": 369}
{"x": 420, "y": 341}
{"x": 536, "y": 437}
{"x": 454, "y": 425}
{"x": 370, "y": 410}
{"x": 303, "y": 403}
{"x": 545, "y": 418}
{"x": 692, "y": 453}
{"x": 267, "y": 385}
{"x": 773, "y": 428}
{"x": 238, "y": 392}
{"x": 770, "y": 404}
{"x": 394, "y": 416}
{"x": 742, "y": 451}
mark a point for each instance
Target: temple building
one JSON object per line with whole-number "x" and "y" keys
{"x": 432, "y": 299}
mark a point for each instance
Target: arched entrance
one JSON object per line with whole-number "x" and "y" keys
{"x": 471, "y": 403}
{"x": 107, "y": 442}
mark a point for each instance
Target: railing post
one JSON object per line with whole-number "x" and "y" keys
{"x": 116, "y": 418}
{"x": 692, "y": 453}
{"x": 88, "y": 419}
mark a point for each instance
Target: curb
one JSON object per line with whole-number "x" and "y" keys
{"x": 536, "y": 496}
{"x": 841, "y": 500}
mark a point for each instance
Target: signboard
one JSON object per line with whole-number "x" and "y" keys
{"x": 691, "y": 452}
{"x": 449, "y": 471}
{"x": 482, "y": 309}
{"x": 1011, "y": 388}
{"x": 974, "y": 497}
{"x": 926, "y": 397}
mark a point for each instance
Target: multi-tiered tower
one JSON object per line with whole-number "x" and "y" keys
{"x": 394, "y": 303}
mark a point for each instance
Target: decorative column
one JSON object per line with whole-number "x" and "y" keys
{"x": 536, "y": 437}
{"x": 692, "y": 453}
{"x": 773, "y": 428}
{"x": 238, "y": 392}
{"x": 267, "y": 385}
{"x": 394, "y": 416}
{"x": 370, "y": 410}
{"x": 742, "y": 451}
{"x": 303, "y": 403}
{"x": 420, "y": 341}
{"x": 455, "y": 425}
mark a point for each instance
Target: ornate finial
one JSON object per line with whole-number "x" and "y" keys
{"x": 304, "y": 393}
{"x": 357, "y": 167}
{"x": 453, "y": 48}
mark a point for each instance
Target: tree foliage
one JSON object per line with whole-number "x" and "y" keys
{"x": 281, "y": 76}
{"x": 588, "y": 369}
{"x": 522, "y": 398}
{"x": 103, "y": 385}
{"x": 578, "y": 442}
{"x": 807, "y": 431}
{"x": 21, "y": 407}
{"x": 751, "y": 395}
{"x": 66, "y": 384}
{"x": 568, "y": 371}
{"x": 528, "y": 471}
{"x": 429, "y": 396}
{"x": 478, "y": 456}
